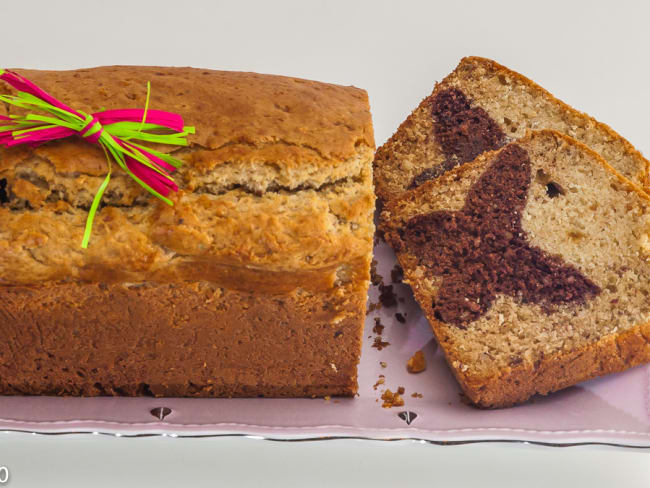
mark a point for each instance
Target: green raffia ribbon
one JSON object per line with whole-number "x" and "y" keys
{"x": 113, "y": 130}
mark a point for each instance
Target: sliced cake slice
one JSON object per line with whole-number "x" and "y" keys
{"x": 481, "y": 106}
{"x": 532, "y": 265}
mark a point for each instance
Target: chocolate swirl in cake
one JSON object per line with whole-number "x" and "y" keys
{"x": 482, "y": 250}
{"x": 462, "y": 131}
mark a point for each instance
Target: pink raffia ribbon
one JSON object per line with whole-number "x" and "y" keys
{"x": 114, "y": 130}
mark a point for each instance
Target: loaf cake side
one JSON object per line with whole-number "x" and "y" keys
{"x": 180, "y": 339}
{"x": 265, "y": 253}
{"x": 532, "y": 265}
{"x": 482, "y": 106}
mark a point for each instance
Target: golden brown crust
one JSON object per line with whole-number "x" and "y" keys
{"x": 410, "y": 135}
{"x": 228, "y": 108}
{"x": 515, "y": 383}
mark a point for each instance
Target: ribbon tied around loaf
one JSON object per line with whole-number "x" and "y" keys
{"x": 114, "y": 130}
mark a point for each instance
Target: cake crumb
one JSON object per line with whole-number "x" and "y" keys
{"x": 400, "y": 318}
{"x": 379, "y": 343}
{"x": 416, "y": 395}
{"x": 400, "y": 390}
{"x": 372, "y": 307}
{"x": 380, "y": 381}
{"x": 383, "y": 364}
{"x": 375, "y": 277}
{"x": 387, "y": 296}
{"x": 416, "y": 363}
{"x": 391, "y": 399}
{"x": 397, "y": 274}
{"x": 379, "y": 327}
{"x": 327, "y": 398}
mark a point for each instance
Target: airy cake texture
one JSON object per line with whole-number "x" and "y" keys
{"x": 253, "y": 283}
{"x": 532, "y": 264}
{"x": 479, "y": 107}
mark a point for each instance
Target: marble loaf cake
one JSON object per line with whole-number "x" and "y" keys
{"x": 532, "y": 265}
{"x": 253, "y": 283}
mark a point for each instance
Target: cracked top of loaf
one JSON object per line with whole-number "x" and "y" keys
{"x": 276, "y": 179}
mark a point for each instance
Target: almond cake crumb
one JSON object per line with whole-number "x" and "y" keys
{"x": 416, "y": 363}
{"x": 391, "y": 399}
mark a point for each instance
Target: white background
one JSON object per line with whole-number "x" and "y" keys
{"x": 594, "y": 55}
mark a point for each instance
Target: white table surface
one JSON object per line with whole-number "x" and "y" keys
{"x": 72, "y": 461}
{"x": 594, "y": 55}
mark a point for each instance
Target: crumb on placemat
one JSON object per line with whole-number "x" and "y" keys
{"x": 391, "y": 399}
{"x": 416, "y": 363}
{"x": 378, "y": 237}
{"x": 397, "y": 274}
{"x": 375, "y": 278}
{"x": 378, "y": 327}
{"x": 380, "y": 381}
{"x": 387, "y": 296}
{"x": 383, "y": 364}
{"x": 372, "y": 307}
{"x": 380, "y": 343}
{"x": 416, "y": 395}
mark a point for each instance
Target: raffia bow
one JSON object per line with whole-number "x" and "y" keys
{"x": 113, "y": 130}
